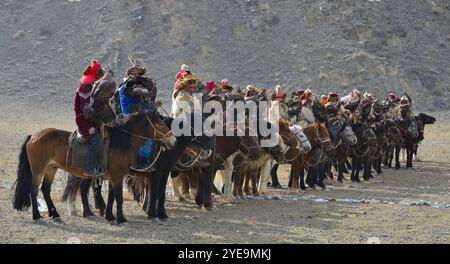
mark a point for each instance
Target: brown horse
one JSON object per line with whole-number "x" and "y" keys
{"x": 319, "y": 139}
{"x": 201, "y": 179}
{"x": 47, "y": 151}
{"x": 290, "y": 149}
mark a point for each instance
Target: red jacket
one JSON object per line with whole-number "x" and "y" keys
{"x": 90, "y": 74}
{"x": 82, "y": 97}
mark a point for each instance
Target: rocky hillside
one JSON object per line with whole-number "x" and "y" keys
{"x": 374, "y": 45}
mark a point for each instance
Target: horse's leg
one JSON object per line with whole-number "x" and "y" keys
{"x": 397, "y": 157}
{"x": 367, "y": 168}
{"x": 265, "y": 174}
{"x": 202, "y": 188}
{"x": 355, "y": 169}
{"x": 236, "y": 181}
{"x": 84, "y": 193}
{"x": 108, "y": 211}
{"x": 176, "y": 181}
{"x": 321, "y": 175}
{"x": 341, "y": 172}
{"x": 153, "y": 191}
{"x": 247, "y": 183}
{"x": 295, "y": 171}
{"x": 227, "y": 175}
{"x": 117, "y": 184}
{"x": 409, "y": 156}
{"x": 291, "y": 179}
{"x": 98, "y": 198}
{"x": 49, "y": 175}
{"x": 274, "y": 176}
{"x": 348, "y": 165}
{"x": 185, "y": 186}
{"x": 390, "y": 155}
{"x": 311, "y": 175}
{"x": 162, "y": 214}
{"x": 254, "y": 180}
{"x": 209, "y": 182}
{"x": 386, "y": 157}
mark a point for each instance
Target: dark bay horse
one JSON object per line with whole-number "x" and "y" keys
{"x": 342, "y": 138}
{"x": 46, "y": 151}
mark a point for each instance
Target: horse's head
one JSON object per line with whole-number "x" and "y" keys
{"x": 347, "y": 134}
{"x": 289, "y": 137}
{"x": 381, "y": 131}
{"x": 413, "y": 128}
{"x": 305, "y": 144}
{"x": 322, "y": 137}
{"x": 426, "y": 119}
{"x": 249, "y": 145}
{"x": 158, "y": 130}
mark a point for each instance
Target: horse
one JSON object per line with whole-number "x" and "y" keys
{"x": 43, "y": 153}
{"x": 422, "y": 120}
{"x": 381, "y": 132}
{"x": 149, "y": 187}
{"x": 410, "y": 132}
{"x": 362, "y": 153}
{"x": 395, "y": 138}
{"x": 342, "y": 138}
{"x": 320, "y": 141}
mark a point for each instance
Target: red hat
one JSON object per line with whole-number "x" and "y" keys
{"x": 210, "y": 85}
{"x": 392, "y": 95}
{"x": 90, "y": 74}
{"x": 224, "y": 82}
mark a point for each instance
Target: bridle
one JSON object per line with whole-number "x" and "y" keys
{"x": 245, "y": 146}
{"x": 155, "y": 132}
{"x": 321, "y": 141}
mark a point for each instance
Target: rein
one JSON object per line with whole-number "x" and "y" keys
{"x": 155, "y": 132}
{"x": 322, "y": 144}
{"x": 151, "y": 165}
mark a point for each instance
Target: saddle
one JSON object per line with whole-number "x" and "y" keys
{"x": 78, "y": 149}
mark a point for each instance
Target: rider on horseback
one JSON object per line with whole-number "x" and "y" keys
{"x": 87, "y": 126}
{"x": 405, "y": 107}
{"x": 307, "y": 115}
{"x": 334, "y": 108}
{"x": 137, "y": 94}
{"x": 390, "y": 108}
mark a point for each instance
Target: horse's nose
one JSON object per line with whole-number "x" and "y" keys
{"x": 170, "y": 142}
{"x": 306, "y": 146}
{"x": 354, "y": 141}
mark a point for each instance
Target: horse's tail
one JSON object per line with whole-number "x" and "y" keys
{"x": 136, "y": 186}
{"x": 71, "y": 189}
{"x": 22, "y": 193}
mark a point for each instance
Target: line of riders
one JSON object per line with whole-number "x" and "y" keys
{"x": 315, "y": 135}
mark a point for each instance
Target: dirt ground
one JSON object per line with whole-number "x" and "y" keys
{"x": 398, "y": 206}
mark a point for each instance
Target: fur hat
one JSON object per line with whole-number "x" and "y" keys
{"x": 136, "y": 69}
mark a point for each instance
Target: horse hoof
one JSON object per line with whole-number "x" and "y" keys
{"x": 212, "y": 208}
{"x": 88, "y": 215}
{"x": 123, "y": 224}
{"x": 58, "y": 220}
{"x": 39, "y": 221}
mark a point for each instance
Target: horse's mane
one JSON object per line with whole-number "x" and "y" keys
{"x": 120, "y": 139}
